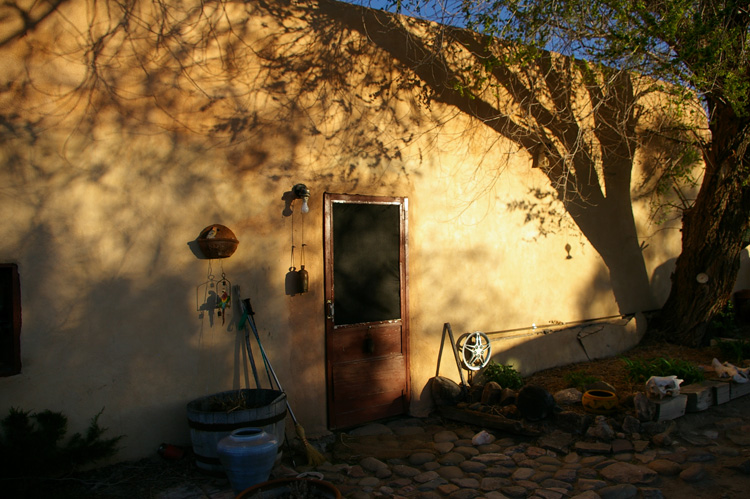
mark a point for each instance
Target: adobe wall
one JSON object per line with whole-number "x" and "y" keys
{"x": 120, "y": 145}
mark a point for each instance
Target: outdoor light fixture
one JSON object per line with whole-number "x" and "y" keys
{"x": 297, "y": 281}
{"x": 301, "y": 191}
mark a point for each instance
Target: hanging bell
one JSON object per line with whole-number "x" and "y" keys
{"x": 291, "y": 283}
{"x": 304, "y": 280}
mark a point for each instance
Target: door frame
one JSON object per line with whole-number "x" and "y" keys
{"x": 330, "y": 327}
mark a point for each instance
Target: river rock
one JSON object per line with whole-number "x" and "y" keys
{"x": 645, "y": 409}
{"x": 568, "y": 396}
{"x": 628, "y": 473}
{"x": 601, "y": 430}
{"x": 619, "y": 491}
{"x": 492, "y": 393}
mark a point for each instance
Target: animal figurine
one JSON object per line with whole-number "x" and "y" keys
{"x": 727, "y": 370}
{"x": 662, "y": 386}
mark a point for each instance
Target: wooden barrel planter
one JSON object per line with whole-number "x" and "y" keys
{"x": 213, "y": 417}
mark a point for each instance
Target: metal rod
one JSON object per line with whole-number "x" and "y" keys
{"x": 561, "y": 325}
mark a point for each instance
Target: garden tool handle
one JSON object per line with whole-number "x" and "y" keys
{"x": 248, "y": 307}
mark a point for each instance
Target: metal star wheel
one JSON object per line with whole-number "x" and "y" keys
{"x": 475, "y": 350}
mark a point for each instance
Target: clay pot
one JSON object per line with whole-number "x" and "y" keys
{"x": 599, "y": 401}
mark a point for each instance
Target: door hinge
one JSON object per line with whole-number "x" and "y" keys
{"x": 329, "y": 310}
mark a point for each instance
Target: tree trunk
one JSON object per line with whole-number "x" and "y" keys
{"x": 715, "y": 230}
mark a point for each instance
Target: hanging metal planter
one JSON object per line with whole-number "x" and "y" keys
{"x": 217, "y": 241}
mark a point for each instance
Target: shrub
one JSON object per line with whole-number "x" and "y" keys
{"x": 505, "y": 376}
{"x": 31, "y": 448}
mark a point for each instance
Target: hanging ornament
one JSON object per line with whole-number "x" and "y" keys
{"x": 214, "y": 295}
{"x": 223, "y": 292}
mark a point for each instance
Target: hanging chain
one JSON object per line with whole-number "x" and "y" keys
{"x": 302, "y": 255}
{"x": 210, "y": 275}
{"x": 291, "y": 263}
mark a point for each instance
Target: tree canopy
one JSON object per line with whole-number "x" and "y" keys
{"x": 701, "y": 45}
{"x": 697, "y": 48}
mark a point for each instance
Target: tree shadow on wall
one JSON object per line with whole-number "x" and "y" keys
{"x": 250, "y": 81}
{"x": 581, "y": 128}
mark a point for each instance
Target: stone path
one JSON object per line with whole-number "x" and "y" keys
{"x": 703, "y": 455}
{"x": 445, "y": 462}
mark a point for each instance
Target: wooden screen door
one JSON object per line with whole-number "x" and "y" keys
{"x": 367, "y": 338}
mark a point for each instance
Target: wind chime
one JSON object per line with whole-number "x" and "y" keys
{"x": 214, "y": 294}
{"x": 299, "y": 280}
{"x": 216, "y": 241}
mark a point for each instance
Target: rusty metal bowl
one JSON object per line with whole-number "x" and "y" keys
{"x": 217, "y": 241}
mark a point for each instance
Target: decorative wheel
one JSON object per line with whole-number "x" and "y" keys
{"x": 475, "y": 350}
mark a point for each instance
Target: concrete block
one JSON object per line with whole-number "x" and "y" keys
{"x": 700, "y": 396}
{"x": 671, "y": 407}
{"x": 737, "y": 390}
{"x": 721, "y": 392}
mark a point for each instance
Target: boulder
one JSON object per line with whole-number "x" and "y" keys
{"x": 445, "y": 391}
{"x": 492, "y": 393}
{"x": 508, "y": 397}
{"x": 535, "y": 403}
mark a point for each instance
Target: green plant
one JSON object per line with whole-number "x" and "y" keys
{"x": 505, "y": 376}
{"x": 639, "y": 370}
{"x": 579, "y": 379}
{"x": 724, "y": 323}
{"x": 31, "y": 448}
{"x": 734, "y": 350}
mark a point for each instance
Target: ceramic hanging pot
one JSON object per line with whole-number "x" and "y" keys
{"x": 247, "y": 456}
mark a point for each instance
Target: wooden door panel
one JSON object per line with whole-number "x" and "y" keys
{"x": 383, "y": 405}
{"x": 363, "y": 379}
{"x": 349, "y": 344}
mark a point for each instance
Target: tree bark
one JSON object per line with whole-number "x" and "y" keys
{"x": 715, "y": 230}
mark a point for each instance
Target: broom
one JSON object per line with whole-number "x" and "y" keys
{"x": 314, "y": 457}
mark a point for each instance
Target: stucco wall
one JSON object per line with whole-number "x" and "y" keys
{"x": 120, "y": 145}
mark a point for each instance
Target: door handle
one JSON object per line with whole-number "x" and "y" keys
{"x": 329, "y": 310}
{"x": 369, "y": 343}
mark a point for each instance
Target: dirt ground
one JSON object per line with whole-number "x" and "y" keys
{"x": 614, "y": 371}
